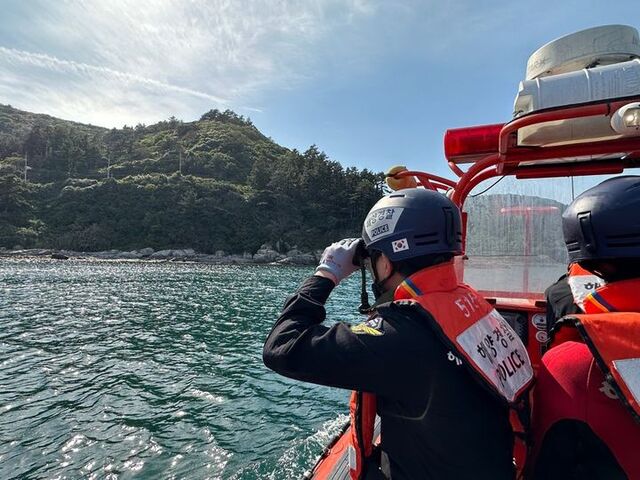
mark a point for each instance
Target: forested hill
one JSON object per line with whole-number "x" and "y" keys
{"x": 213, "y": 184}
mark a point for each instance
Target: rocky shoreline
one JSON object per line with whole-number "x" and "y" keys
{"x": 266, "y": 255}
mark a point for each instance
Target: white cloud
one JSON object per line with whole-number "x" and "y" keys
{"x": 47, "y": 62}
{"x": 125, "y": 61}
{"x": 129, "y": 61}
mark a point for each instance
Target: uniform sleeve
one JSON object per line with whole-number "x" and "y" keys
{"x": 300, "y": 347}
{"x": 560, "y": 301}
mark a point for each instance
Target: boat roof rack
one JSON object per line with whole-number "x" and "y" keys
{"x": 497, "y": 150}
{"x": 605, "y": 153}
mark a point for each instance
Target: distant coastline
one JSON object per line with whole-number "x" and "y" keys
{"x": 266, "y": 255}
{"x": 214, "y": 184}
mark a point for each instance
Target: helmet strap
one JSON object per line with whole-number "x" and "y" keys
{"x": 378, "y": 284}
{"x": 364, "y": 307}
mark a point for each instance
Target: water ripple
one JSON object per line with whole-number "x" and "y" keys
{"x": 142, "y": 370}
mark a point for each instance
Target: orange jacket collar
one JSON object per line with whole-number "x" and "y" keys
{"x": 441, "y": 277}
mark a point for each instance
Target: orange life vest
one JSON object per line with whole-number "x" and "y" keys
{"x": 603, "y": 400}
{"x": 611, "y": 330}
{"x": 614, "y": 341}
{"x": 362, "y": 414}
{"x": 476, "y": 335}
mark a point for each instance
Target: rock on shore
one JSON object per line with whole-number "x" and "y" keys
{"x": 266, "y": 254}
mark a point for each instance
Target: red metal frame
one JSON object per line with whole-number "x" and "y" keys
{"x": 527, "y": 162}
{"x": 455, "y": 169}
{"x": 509, "y": 157}
{"x": 427, "y": 180}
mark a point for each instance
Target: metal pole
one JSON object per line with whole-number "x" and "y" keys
{"x": 25, "y": 167}
{"x": 527, "y": 250}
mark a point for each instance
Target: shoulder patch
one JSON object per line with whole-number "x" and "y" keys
{"x": 374, "y": 322}
{"x": 373, "y": 326}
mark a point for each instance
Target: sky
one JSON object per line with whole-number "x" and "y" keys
{"x": 371, "y": 83}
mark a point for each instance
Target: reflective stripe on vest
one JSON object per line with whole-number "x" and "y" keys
{"x": 614, "y": 341}
{"x": 582, "y": 283}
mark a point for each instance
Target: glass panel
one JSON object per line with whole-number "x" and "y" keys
{"x": 514, "y": 237}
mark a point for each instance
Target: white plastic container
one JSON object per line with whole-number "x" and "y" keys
{"x": 597, "y": 46}
{"x": 609, "y": 82}
{"x": 596, "y": 64}
{"x": 587, "y": 85}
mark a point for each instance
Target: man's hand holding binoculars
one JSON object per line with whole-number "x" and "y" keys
{"x": 340, "y": 259}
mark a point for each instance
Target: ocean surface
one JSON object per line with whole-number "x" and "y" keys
{"x": 154, "y": 370}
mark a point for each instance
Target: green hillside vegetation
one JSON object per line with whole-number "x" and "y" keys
{"x": 213, "y": 184}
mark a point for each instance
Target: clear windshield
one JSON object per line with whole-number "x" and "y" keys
{"x": 514, "y": 234}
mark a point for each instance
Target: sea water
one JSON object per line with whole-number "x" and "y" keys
{"x": 154, "y": 370}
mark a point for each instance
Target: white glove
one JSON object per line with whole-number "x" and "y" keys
{"x": 337, "y": 259}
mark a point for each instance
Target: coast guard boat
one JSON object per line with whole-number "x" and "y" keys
{"x": 576, "y": 117}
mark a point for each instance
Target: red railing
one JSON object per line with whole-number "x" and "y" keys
{"x": 509, "y": 157}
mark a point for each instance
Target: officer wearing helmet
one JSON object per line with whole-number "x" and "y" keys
{"x": 434, "y": 360}
{"x": 586, "y": 406}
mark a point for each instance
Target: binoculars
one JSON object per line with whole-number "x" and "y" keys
{"x": 361, "y": 254}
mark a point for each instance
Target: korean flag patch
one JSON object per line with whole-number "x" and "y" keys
{"x": 400, "y": 245}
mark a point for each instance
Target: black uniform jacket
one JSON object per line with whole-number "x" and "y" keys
{"x": 560, "y": 301}
{"x": 438, "y": 422}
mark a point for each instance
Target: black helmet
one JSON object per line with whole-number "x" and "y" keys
{"x": 413, "y": 222}
{"x": 604, "y": 221}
